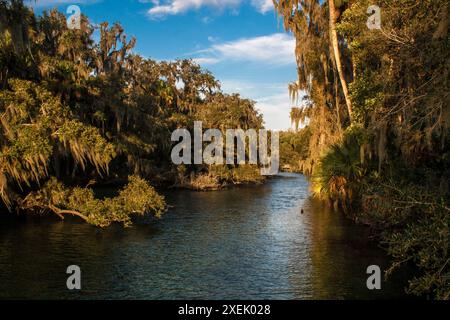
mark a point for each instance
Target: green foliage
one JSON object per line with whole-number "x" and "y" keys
{"x": 85, "y": 144}
{"x": 73, "y": 109}
{"x": 294, "y": 150}
{"x": 367, "y": 97}
{"x": 398, "y": 83}
{"x": 219, "y": 176}
{"x": 414, "y": 224}
{"x": 136, "y": 198}
{"x": 340, "y": 172}
{"x": 38, "y": 129}
{"x": 229, "y": 112}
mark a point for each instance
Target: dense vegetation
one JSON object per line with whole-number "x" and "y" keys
{"x": 372, "y": 127}
{"x": 76, "y": 113}
{"x": 377, "y": 113}
{"x": 294, "y": 150}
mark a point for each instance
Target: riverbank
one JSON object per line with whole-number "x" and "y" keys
{"x": 408, "y": 215}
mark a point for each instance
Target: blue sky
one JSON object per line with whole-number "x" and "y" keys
{"x": 242, "y": 42}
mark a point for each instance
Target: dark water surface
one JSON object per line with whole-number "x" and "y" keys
{"x": 244, "y": 243}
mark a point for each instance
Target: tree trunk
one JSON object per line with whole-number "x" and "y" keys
{"x": 337, "y": 55}
{"x": 338, "y": 111}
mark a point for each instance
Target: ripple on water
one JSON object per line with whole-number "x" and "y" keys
{"x": 247, "y": 242}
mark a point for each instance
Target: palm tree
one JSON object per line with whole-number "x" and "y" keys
{"x": 337, "y": 55}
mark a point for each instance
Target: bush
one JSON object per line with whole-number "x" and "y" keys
{"x": 339, "y": 173}
{"x": 136, "y": 198}
{"x": 414, "y": 225}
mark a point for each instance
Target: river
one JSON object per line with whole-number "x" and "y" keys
{"x": 250, "y": 242}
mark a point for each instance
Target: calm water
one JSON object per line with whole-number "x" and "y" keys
{"x": 243, "y": 243}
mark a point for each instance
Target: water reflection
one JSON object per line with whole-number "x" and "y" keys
{"x": 341, "y": 252}
{"x": 243, "y": 243}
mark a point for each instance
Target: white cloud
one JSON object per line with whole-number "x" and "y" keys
{"x": 263, "y": 6}
{"x": 205, "y": 61}
{"x": 276, "y": 49}
{"x": 165, "y": 8}
{"x": 174, "y": 7}
{"x": 212, "y": 39}
{"x": 276, "y": 111}
{"x": 231, "y": 86}
{"x": 272, "y": 100}
{"x": 206, "y": 20}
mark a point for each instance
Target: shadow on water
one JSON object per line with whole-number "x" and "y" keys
{"x": 248, "y": 242}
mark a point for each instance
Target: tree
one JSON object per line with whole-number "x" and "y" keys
{"x": 337, "y": 55}
{"x": 388, "y": 166}
{"x": 316, "y": 86}
{"x": 75, "y": 112}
